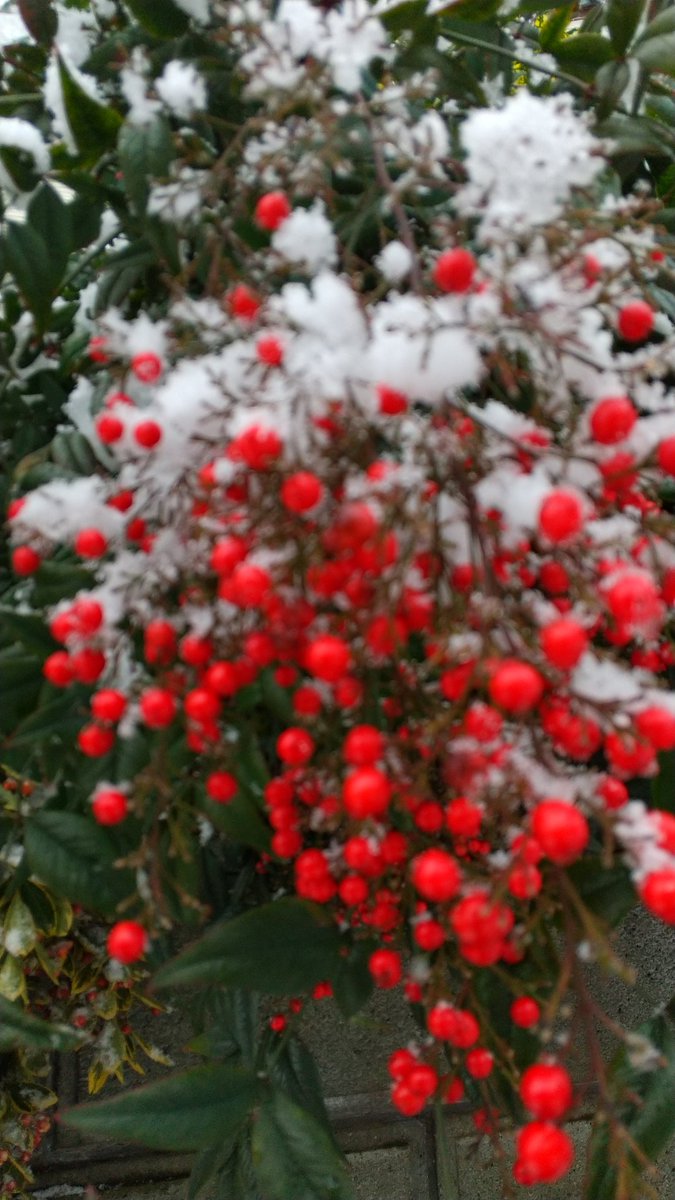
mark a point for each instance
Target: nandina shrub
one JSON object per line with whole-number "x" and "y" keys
{"x": 367, "y": 606}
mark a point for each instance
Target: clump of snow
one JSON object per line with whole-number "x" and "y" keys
{"x": 395, "y": 261}
{"x": 53, "y": 93}
{"x": 306, "y": 237}
{"x": 21, "y": 135}
{"x": 134, "y": 84}
{"x": 552, "y": 148}
{"x": 198, "y": 10}
{"x": 182, "y": 88}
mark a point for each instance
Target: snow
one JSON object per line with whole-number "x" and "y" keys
{"x": 21, "y": 135}
{"x": 198, "y": 10}
{"x": 554, "y": 152}
{"x": 394, "y": 261}
{"x": 182, "y": 88}
{"x": 306, "y": 238}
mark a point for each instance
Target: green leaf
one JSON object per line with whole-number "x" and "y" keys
{"x": 28, "y": 261}
{"x": 76, "y": 857}
{"x": 295, "y": 1071}
{"x": 59, "y": 581}
{"x": 20, "y": 166}
{"x": 57, "y": 718}
{"x": 18, "y": 932}
{"x": 657, "y": 54}
{"x": 18, "y": 1028}
{"x": 145, "y": 153}
{"x": 583, "y": 52}
{"x": 185, "y": 1112}
{"x": 163, "y": 20}
{"x": 27, "y": 629}
{"x": 634, "y": 135}
{"x": 240, "y": 820}
{"x": 644, "y": 1099}
{"x": 663, "y": 785}
{"x": 606, "y": 891}
{"x": 661, "y": 26}
{"x": 554, "y": 27}
{"x": 611, "y": 82}
{"x": 50, "y": 218}
{"x": 280, "y": 948}
{"x": 623, "y": 18}
{"x": 293, "y": 1156}
{"x": 94, "y": 126}
{"x": 353, "y": 983}
{"x": 40, "y": 20}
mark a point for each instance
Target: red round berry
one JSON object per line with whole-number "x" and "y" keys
{"x": 57, "y": 669}
{"x": 515, "y": 686}
{"x": 391, "y": 402}
{"x": 127, "y": 941}
{"x": 454, "y": 1025}
{"x": 147, "y": 367}
{"x": 479, "y": 1063}
{"x": 386, "y": 968}
{"x": 301, "y": 492}
{"x": 612, "y": 420}
{"x": 108, "y": 705}
{"x": 110, "y": 806}
{"x": 148, "y": 434}
{"x": 525, "y": 1012}
{"x": 544, "y": 1154}
{"x": 272, "y": 210}
{"x": 328, "y": 658}
{"x": 561, "y": 830}
{"x": 561, "y": 516}
{"x": 435, "y": 875}
{"x": 366, "y": 793}
{"x": 25, "y": 560}
{"x": 270, "y": 351}
{"x": 546, "y": 1091}
{"x": 95, "y": 741}
{"x": 454, "y": 270}
{"x": 221, "y": 787}
{"x": 563, "y": 642}
{"x": 157, "y": 707}
{"x": 295, "y": 746}
{"x": 109, "y": 428}
{"x": 635, "y": 321}
{"x": 665, "y": 456}
{"x": 243, "y": 302}
{"x": 90, "y": 543}
{"x": 657, "y": 892}
{"x": 363, "y": 746}
{"x": 657, "y": 725}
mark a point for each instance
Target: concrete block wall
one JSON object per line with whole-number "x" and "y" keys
{"x": 391, "y": 1158}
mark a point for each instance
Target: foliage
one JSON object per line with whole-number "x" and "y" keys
{"x": 135, "y": 259}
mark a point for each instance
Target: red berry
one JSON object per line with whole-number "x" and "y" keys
{"x": 221, "y": 787}
{"x": 363, "y": 745}
{"x": 634, "y": 600}
{"x": 612, "y": 420}
{"x": 57, "y": 669}
{"x": 25, "y": 560}
{"x": 635, "y": 321}
{"x": 516, "y": 686}
{"x": 272, "y": 210}
{"x": 479, "y": 1062}
{"x": 408, "y": 1103}
{"x": 391, "y": 402}
{"x": 561, "y": 830}
{"x": 546, "y": 1090}
{"x": 148, "y": 434}
{"x": 158, "y": 707}
{"x": 544, "y": 1154}
{"x": 127, "y": 941}
{"x": 454, "y": 270}
{"x": 95, "y": 741}
{"x": 110, "y": 806}
{"x": 435, "y": 875}
{"x": 328, "y": 658}
{"x": 665, "y": 456}
{"x": 525, "y": 1012}
{"x": 613, "y": 792}
{"x": 561, "y": 516}
{"x": 657, "y": 725}
{"x": 108, "y": 705}
{"x": 657, "y": 892}
{"x": 454, "y": 1025}
{"x": 109, "y": 428}
{"x": 295, "y": 746}
{"x": 270, "y": 351}
{"x": 386, "y": 968}
{"x": 463, "y": 818}
{"x": 90, "y": 543}
{"x": 401, "y": 1063}
{"x": 243, "y": 302}
{"x": 88, "y": 665}
{"x": 366, "y": 793}
{"x": 301, "y": 492}
{"x": 563, "y": 642}
{"x": 147, "y": 367}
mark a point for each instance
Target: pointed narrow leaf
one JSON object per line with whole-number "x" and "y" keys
{"x": 353, "y": 983}
{"x": 94, "y": 126}
{"x": 186, "y": 1112}
{"x": 164, "y": 20}
{"x": 623, "y": 18}
{"x": 40, "y": 19}
{"x": 293, "y": 1156}
{"x": 280, "y": 948}
{"x": 658, "y": 54}
{"x": 145, "y": 153}
{"x": 76, "y": 857}
{"x": 19, "y": 1028}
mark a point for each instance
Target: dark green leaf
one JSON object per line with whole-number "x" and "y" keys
{"x": 661, "y": 26}
{"x": 31, "y": 631}
{"x": 145, "y": 153}
{"x": 555, "y": 26}
{"x": 634, "y": 135}
{"x": 607, "y": 891}
{"x": 20, "y": 166}
{"x": 240, "y": 820}
{"x": 185, "y": 1112}
{"x": 163, "y": 19}
{"x": 663, "y": 785}
{"x": 28, "y": 261}
{"x": 295, "y": 1071}
{"x": 293, "y": 1156}
{"x": 40, "y": 20}
{"x": 49, "y": 217}
{"x": 658, "y": 54}
{"x": 59, "y": 581}
{"x": 19, "y": 1028}
{"x": 280, "y": 948}
{"x": 583, "y": 52}
{"x": 611, "y": 82}
{"x": 94, "y": 126}
{"x": 208, "y": 1163}
{"x": 623, "y": 18}
{"x": 353, "y": 983}
{"x": 76, "y": 857}
{"x": 58, "y": 718}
